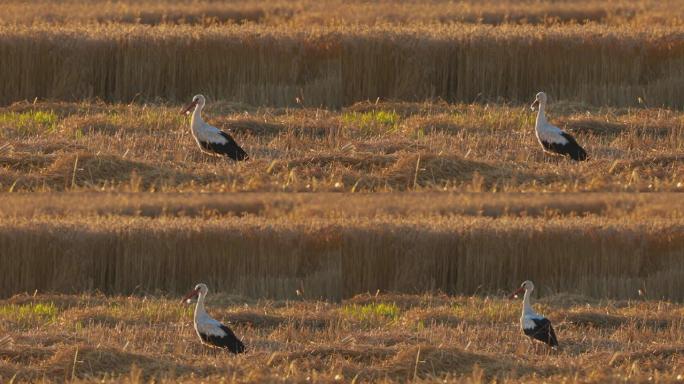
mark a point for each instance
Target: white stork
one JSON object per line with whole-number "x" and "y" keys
{"x": 210, "y": 139}
{"x": 533, "y": 324}
{"x": 552, "y": 138}
{"x": 210, "y": 331}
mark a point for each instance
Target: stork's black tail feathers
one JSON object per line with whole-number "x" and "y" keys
{"x": 229, "y": 341}
{"x": 543, "y": 331}
{"x": 573, "y": 149}
{"x": 230, "y": 148}
{"x": 553, "y": 341}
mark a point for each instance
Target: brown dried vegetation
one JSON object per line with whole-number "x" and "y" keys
{"x": 333, "y": 54}
{"x": 368, "y": 147}
{"x": 381, "y": 338}
{"x": 334, "y": 246}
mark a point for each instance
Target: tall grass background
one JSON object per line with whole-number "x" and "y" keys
{"x": 331, "y": 252}
{"x": 336, "y": 66}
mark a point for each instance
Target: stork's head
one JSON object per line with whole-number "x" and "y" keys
{"x": 200, "y": 289}
{"x": 196, "y": 100}
{"x": 539, "y": 99}
{"x": 527, "y": 285}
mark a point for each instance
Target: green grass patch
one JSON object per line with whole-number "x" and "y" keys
{"x": 28, "y": 123}
{"x": 372, "y": 312}
{"x": 29, "y": 315}
{"x": 372, "y": 122}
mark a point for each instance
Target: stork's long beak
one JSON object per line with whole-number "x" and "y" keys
{"x": 516, "y": 293}
{"x": 187, "y": 109}
{"x": 534, "y": 103}
{"x": 190, "y": 295}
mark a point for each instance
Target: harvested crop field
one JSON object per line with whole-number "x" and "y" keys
{"x": 367, "y": 147}
{"x": 380, "y": 338}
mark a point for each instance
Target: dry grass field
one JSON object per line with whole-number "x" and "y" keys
{"x": 334, "y": 66}
{"x": 333, "y": 54}
{"x": 366, "y": 147}
{"x": 395, "y": 190}
{"x": 297, "y": 12}
{"x": 379, "y": 338}
{"x": 333, "y": 246}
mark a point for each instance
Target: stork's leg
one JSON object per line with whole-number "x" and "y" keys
{"x": 535, "y": 345}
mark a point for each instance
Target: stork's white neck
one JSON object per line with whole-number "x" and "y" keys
{"x": 527, "y": 307}
{"x": 199, "y": 308}
{"x": 541, "y": 116}
{"x": 197, "y": 115}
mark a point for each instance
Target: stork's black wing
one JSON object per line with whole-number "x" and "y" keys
{"x": 230, "y": 148}
{"x": 543, "y": 331}
{"x": 571, "y": 148}
{"x": 229, "y": 341}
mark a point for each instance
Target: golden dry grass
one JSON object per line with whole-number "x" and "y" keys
{"x": 335, "y": 53}
{"x": 338, "y": 65}
{"x": 366, "y": 147}
{"x": 299, "y": 12}
{"x": 380, "y": 338}
{"x": 629, "y": 206}
{"x": 334, "y": 246}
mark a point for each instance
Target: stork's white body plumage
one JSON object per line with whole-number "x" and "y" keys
{"x": 210, "y": 331}
{"x": 210, "y": 139}
{"x": 204, "y": 324}
{"x": 552, "y": 138}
